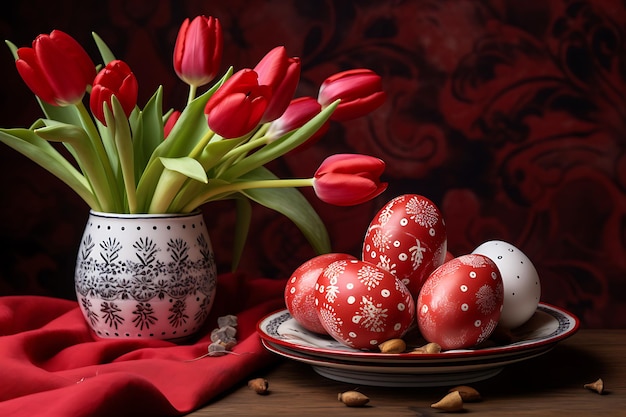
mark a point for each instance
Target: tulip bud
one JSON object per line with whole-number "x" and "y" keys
{"x": 116, "y": 79}
{"x": 198, "y": 50}
{"x": 360, "y": 91}
{"x": 349, "y": 179}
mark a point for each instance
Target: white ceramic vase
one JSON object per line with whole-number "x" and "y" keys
{"x": 144, "y": 275}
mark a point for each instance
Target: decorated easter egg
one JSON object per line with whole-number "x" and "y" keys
{"x": 300, "y": 290}
{"x": 522, "y": 288}
{"x": 362, "y": 305}
{"x": 407, "y": 237}
{"x": 460, "y": 302}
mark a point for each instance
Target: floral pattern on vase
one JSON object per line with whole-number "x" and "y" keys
{"x": 145, "y": 276}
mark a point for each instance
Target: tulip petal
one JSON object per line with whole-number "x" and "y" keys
{"x": 235, "y": 115}
{"x": 284, "y": 91}
{"x": 272, "y": 67}
{"x": 350, "y": 163}
{"x": 32, "y": 75}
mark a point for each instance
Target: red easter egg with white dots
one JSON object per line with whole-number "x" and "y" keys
{"x": 408, "y": 238}
{"x": 460, "y": 303}
{"x": 362, "y": 305}
{"x": 300, "y": 290}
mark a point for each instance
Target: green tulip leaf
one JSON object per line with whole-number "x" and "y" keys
{"x": 213, "y": 152}
{"x": 13, "y": 48}
{"x": 77, "y": 141}
{"x": 105, "y": 51}
{"x": 147, "y": 130}
{"x": 61, "y": 132}
{"x": 70, "y": 135}
{"x": 187, "y": 166}
{"x": 41, "y": 152}
{"x": 64, "y": 114}
{"x": 124, "y": 145}
{"x": 291, "y": 203}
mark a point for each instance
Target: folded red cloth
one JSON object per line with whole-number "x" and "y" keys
{"x": 52, "y": 365}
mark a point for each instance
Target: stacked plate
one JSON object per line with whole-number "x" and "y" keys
{"x": 281, "y": 334}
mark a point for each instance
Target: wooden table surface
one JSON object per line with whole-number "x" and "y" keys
{"x": 548, "y": 385}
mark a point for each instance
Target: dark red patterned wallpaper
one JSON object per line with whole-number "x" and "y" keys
{"x": 510, "y": 115}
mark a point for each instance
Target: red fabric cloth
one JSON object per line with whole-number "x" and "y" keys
{"x": 52, "y": 365}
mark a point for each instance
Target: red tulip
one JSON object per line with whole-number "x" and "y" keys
{"x": 171, "y": 121}
{"x": 198, "y": 50}
{"x": 236, "y": 108}
{"x": 349, "y": 179}
{"x": 360, "y": 91}
{"x": 116, "y": 79}
{"x": 282, "y": 74}
{"x": 57, "y": 69}
{"x": 299, "y": 112}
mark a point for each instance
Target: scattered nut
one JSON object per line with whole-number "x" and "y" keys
{"x": 392, "y": 346}
{"x": 431, "y": 347}
{"x": 468, "y": 394}
{"x": 353, "y": 398}
{"x": 259, "y": 385}
{"x": 451, "y": 402}
{"x": 597, "y": 386}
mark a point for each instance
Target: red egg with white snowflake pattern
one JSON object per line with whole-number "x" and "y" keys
{"x": 362, "y": 305}
{"x": 460, "y": 303}
{"x": 300, "y": 290}
{"x": 408, "y": 238}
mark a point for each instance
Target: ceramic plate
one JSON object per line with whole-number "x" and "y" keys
{"x": 282, "y": 335}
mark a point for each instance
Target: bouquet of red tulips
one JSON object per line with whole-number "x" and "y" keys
{"x": 127, "y": 159}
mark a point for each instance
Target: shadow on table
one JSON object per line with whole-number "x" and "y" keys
{"x": 564, "y": 366}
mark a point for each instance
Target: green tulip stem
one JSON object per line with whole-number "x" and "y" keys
{"x": 230, "y": 188}
{"x": 192, "y": 93}
{"x": 261, "y": 131}
{"x": 197, "y": 150}
{"x": 257, "y": 140}
{"x": 245, "y": 148}
{"x": 166, "y": 189}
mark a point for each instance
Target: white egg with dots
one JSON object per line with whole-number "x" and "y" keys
{"x": 522, "y": 288}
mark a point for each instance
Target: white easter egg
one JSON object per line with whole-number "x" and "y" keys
{"x": 522, "y": 288}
